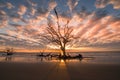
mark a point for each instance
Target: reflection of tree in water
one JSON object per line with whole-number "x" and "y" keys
{"x": 43, "y": 58}
{"x": 8, "y": 58}
{"x": 9, "y": 53}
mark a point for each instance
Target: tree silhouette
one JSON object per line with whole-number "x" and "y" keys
{"x": 61, "y": 35}
{"x": 9, "y": 51}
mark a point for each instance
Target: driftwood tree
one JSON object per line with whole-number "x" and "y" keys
{"x": 61, "y": 35}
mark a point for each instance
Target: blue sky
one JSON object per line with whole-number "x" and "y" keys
{"x": 96, "y": 22}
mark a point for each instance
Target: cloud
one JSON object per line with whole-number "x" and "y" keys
{"x": 72, "y": 4}
{"x": 116, "y": 3}
{"x": 3, "y": 19}
{"x": 6, "y": 4}
{"x": 12, "y": 41}
{"x": 42, "y": 11}
{"x": 23, "y": 37}
{"x": 97, "y": 28}
{"x": 22, "y": 10}
{"x": 15, "y": 17}
{"x": 3, "y": 23}
{"x": 115, "y": 26}
{"x": 9, "y": 5}
{"x": 104, "y": 3}
{"x": 82, "y": 12}
{"x": 29, "y": 32}
{"x": 2, "y": 13}
{"x": 98, "y": 14}
{"x": 32, "y": 3}
{"x": 6, "y": 37}
{"x": 52, "y": 5}
{"x": 101, "y": 3}
{"x": 33, "y": 11}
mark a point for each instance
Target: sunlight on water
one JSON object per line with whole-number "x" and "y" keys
{"x": 62, "y": 63}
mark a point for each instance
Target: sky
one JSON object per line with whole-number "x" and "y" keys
{"x": 95, "y": 22}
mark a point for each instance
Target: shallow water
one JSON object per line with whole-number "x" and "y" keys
{"x": 101, "y": 57}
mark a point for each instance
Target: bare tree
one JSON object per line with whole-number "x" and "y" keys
{"x": 9, "y": 51}
{"x": 61, "y": 35}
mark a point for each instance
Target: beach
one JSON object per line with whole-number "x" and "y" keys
{"x": 59, "y": 70}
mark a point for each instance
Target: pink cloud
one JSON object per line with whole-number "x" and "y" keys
{"x": 22, "y": 10}
{"x": 115, "y": 26}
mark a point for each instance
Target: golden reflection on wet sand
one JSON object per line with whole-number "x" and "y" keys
{"x": 60, "y": 72}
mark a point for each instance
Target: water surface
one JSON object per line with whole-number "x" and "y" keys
{"x": 98, "y": 57}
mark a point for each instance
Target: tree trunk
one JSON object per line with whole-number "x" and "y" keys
{"x": 63, "y": 52}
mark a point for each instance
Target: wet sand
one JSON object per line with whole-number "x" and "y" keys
{"x": 58, "y": 71}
